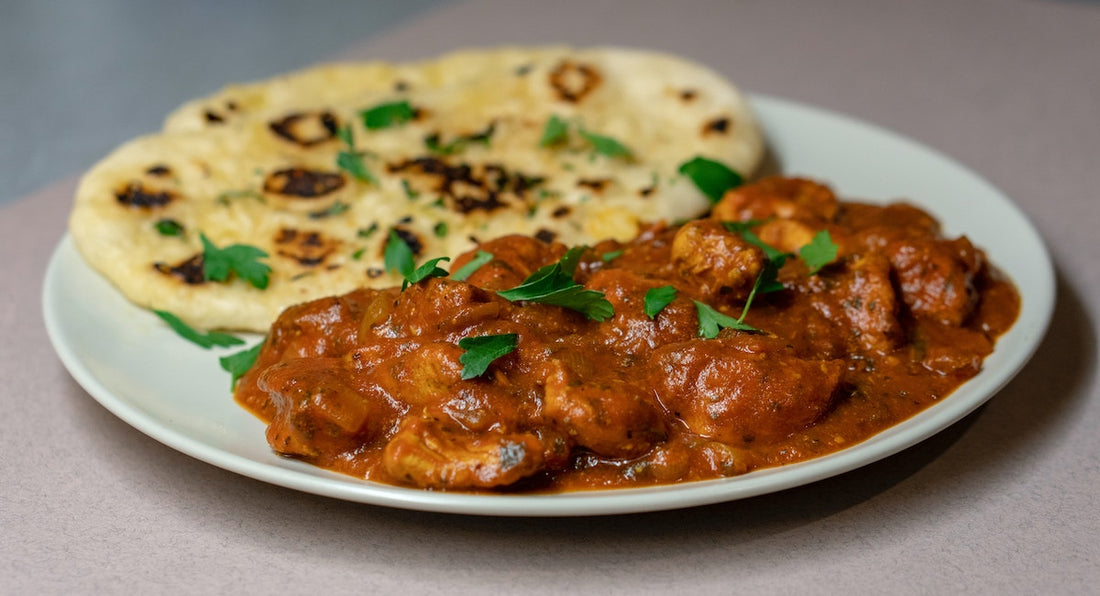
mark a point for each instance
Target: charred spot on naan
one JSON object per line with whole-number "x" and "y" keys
{"x": 468, "y": 188}
{"x": 411, "y": 238}
{"x": 189, "y": 271}
{"x": 159, "y": 170}
{"x": 573, "y": 81}
{"x": 720, "y": 125}
{"x": 139, "y": 196}
{"x": 303, "y": 183}
{"x": 214, "y": 116}
{"x": 305, "y": 129}
{"x": 309, "y": 248}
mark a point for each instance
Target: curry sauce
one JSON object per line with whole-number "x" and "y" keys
{"x": 371, "y": 383}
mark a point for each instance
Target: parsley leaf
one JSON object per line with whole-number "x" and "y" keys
{"x": 398, "y": 257}
{"x": 611, "y": 255}
{"x": 242, "y": 259}
{"x": 224, "y": 198}
{"x": 432, "y": 141}
{"x": 387, "y": 115}
{"x": 556, "y": 131}
{"x": 204, "y": 340}
{"x": 554, "y": 284}
{"x": 712, "y": 321}
{"x": 238, "y": 363}
{"x": 334, "y": 209}
{"x": 819, "y": 252}
{"x": 711, "y": 177}
{"x": 169, "y": 227}
{"x": 350, "y": 160}
{"x": 483, "y": 350}
{"x": 430, "y": 268}
{"x": 603, "y": 145}
{"x": 656, "y": 299}
{"x": 480, "y": 258}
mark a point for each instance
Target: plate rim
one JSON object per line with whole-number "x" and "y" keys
{"x": 303, "y": 477}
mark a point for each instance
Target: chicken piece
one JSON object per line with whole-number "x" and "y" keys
{"x": 611, "y": 417}
{"x": 738, "y": 391}
{"x": 936, "y": 277}
{"x": 786, "y": 198}
{"x": 716, "y": 261}
{"x": 514, "y": 258}
{"x": 416, "y": 311}
{"x": 326, "y": 327}
{"x": 870, "y": 304}
{"x": 426, "y": 375}
{"x": 631, "y": 331}
{"x": 318, "y": 410}
{"x": 441, "y": 455}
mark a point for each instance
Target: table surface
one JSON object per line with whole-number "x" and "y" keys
{"x": 1006, "y": 501}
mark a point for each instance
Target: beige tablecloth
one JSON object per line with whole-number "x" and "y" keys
{"x": 1005, "y": 501}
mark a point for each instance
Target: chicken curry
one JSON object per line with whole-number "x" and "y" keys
{"x": 695, "y": 351}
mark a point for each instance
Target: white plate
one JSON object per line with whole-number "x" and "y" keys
{"x": 175, "y": 392}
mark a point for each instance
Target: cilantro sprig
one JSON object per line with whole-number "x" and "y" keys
{"x": 819, "y": 252}
{"x": 712, "y": 321}
{"x": 556, "y": 132}
{"x": 605, "y": 145}
{"x": 482, "y": 350}
{"x": 554, "y": 284}
{"x": 656, "y": 299}
{"x": 398, "y": 258}
{"x": 350, "y": 160}
{"x": 241, "y": 259}
{"x": 205, "y": 340}
{"x": 712, "y": 178}
{"x": 387, "y": 114}
{"x": 481, "y": 257}
{"x": 238, "y": 363}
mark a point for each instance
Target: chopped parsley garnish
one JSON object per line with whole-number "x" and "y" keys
{"x": 238, "y": 363}
{"x": 603, "y": 145}
{"x": 358, "y": 254}
{"x": 368, "y": 231}
{"x": 440, "y": 229}
{"x": 480, "y": 258}
{"x": 334, "y": 209}
{"x": 350, "y": 160}
{"x": 482, "y": 350}
{"x": 712, "y": 321}
{"x": 819, "y": 252}
{"x": 434, "y": 143}
{"x": 225, "y": 197}
{"x": 554, "y": 284}
{"x": 555, "y": 132}
{"x": 611, "y": 255}
{"x": 656, "y": 299}
{"x": 242, "y": 259}
{"x": 387, "y": 115}
{"x": 409, "y": 192}
{"x": 398, "y": 257}
{"x": 711, "y": 177}
{"x": 205, "y": 340}
{"x": 169, "y": 227}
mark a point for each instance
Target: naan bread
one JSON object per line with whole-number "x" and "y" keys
{"x": 256, "y": 164}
